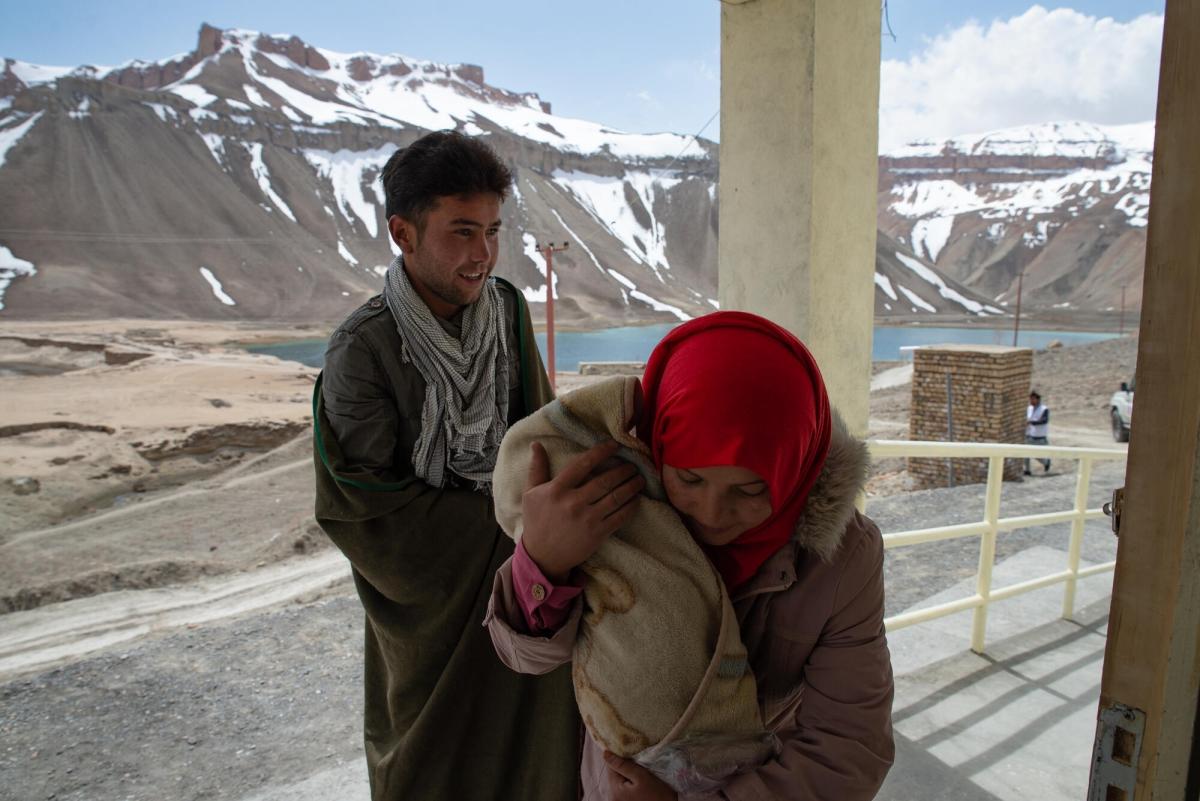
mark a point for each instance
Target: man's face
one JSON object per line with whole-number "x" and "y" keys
{"x": 1034, "y": 400}
{"x": 449, "y": 258}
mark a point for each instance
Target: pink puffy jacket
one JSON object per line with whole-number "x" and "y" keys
{"x": 812, "y": 622}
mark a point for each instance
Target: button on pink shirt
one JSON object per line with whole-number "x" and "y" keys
{"x": 543, "y": 605}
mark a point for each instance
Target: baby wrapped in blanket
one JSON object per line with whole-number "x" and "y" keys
{"x": 659, "y": 668}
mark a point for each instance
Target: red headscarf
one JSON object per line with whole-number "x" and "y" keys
{"x": 732, "y": 388}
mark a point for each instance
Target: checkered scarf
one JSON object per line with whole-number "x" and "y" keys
{"x": 465, "y": 413}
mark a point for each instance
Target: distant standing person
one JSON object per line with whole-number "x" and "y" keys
{"x": 1037, "y": 428}
{"x": 420, "y": 384}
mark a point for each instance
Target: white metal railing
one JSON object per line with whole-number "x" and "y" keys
{"x": 992, "y": 524}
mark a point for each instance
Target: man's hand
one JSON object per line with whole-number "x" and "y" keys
{"x": 629, "y": 781}
{"x": 567, "y": 518}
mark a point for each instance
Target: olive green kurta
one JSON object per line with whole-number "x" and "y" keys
{"x": 444, "y": 719}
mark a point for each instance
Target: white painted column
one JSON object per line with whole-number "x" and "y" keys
{"x": 799, "y": 142}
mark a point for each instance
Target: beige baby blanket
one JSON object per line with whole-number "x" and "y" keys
{"x": 659, "y": 668}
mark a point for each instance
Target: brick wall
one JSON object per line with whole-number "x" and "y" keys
{"x": 990, "y": 387}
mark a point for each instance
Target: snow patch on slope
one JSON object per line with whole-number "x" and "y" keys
{"x": 83, "y": 110}
{"x": 577, "y": 238}
{"x": 930, "y": 235}
{"x": 431, "y": 96}
{"x": 347, "y": 171}
{"x": 883, "y": 283}
{"x": 925, "y": 198}
{"x": 193, "y": 94}
{"x": 660, "y": 306}
{"x": 10, "y": 136}
{"x": 11, "y": 268}
{"x": 1023, "y": 200}
{"x": 604, "y": 198}
{"x": 428, "y": 95}
{"x": 215, "y": 285}
{"x": 630, "y": 290}
{"x": 165, "y": 113}
{"x": 1136, "y": 207}
{"x": 216, "y": 146}
{"x": 254, "y": 96}
{"x": 35, "y": 74}
{"x": 930, "y": 277}
{"x": 915, "y": 299}
{"x": 263, "y": 176}
{"x": 1126, "y": 177}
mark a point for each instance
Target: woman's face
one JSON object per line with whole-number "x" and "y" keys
{"x": 718, "y": 504}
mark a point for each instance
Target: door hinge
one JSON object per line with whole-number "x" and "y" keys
{"x": 1114, "y": 508}
{"x": 1115, "y": 754}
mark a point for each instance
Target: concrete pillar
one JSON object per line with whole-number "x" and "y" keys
{"x": 799, "y": 151}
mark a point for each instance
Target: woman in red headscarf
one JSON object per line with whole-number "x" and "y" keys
{"x": 764, "y": 476}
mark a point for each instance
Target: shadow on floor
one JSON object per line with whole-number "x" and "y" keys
{"x": 919, "y": 776}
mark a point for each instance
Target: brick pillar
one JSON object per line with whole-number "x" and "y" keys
{"x": 990, "y": 387}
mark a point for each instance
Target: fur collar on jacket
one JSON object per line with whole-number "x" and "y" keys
{"x": 830, "y": 504}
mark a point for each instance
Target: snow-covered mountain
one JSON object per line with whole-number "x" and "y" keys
{"x": 1065, "y": 203}
{"x": 240, "y": 181}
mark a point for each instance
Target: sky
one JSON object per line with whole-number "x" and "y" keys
{"x": 654, "y": 65}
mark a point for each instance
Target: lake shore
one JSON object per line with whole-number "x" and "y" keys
{"x": 1042, "y": 320}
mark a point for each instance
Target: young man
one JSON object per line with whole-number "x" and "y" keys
{"x": 1037, "y": 428}
{"x": 420, "y": 384}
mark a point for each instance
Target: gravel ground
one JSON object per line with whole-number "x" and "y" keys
{"x": 231, "y": 708}
{"x": 209, "y": 713}
{"x": 914, "y": 573}
{"x": 1074, "y": 382}
{"x": 222, "y": 711}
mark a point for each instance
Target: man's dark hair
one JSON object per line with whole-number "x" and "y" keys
{"x": 440, "y": 164}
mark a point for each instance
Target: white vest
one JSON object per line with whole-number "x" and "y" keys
{"x": 1032, "y": 429}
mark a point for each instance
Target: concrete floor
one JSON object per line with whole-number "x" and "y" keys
{"x": 1013, "y": 724}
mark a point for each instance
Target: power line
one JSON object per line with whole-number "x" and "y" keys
{"x": 694, "y": 137}
{"x": 887, "y": 20}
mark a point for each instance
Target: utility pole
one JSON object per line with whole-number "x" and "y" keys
{"x": 1121, "y": 325}
{"x": 1017, "y": 319}
{"x": 548, "y": 250}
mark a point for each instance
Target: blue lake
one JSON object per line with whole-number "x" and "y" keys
{"x": 633, "y": 344}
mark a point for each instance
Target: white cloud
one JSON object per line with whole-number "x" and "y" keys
{"x": 1041, "y": 66}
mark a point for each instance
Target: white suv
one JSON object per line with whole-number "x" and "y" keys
{"x": 1120, "y": 408}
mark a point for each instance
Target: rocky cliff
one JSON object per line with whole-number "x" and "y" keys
{"x": 1066, "y": 204}
{"x": 241, "y": 181}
